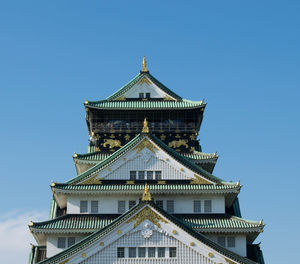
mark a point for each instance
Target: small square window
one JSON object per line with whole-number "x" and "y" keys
{"x": 148, "y": 95}
{"x": 197, "y": 206}
{"x": 142, "y": 252}
{"x": 158, "y": 175}
{"x": 131, "y": 204}
{"x": 71, "y": 241}
{"x": 172, "y": 252}
{"x": 161, "y": 252}
{"x": 121, "y": 207}
{"x": 149, "y": 175}
{"x": 221, "y": 241}
{"x": 160, "y": 203}
{"x": 83, "y": 206}
{"x": 207, "y": 206}
{"x": 170, "y": 206}
{"x": 121, "y": 252}
{"x": 141, "y": 175}
{"x": 141, "y": 95}
{"x": 231, "y": 242}
{"x": 132, "y": 175}
{"x": 132, "y": 252}
{"x": 94, "y": 207}
{"x": 151, "y": 252}
{"x": 61, "y": 242}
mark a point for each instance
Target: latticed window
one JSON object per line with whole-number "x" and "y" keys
{"x": 149, "y": 175}
{"x": 61, "y": 242}
{"x": 207, "y": 206}
{"x": 157, "y": 175}
{"x": 94, "y": 207}
{"x": 131, "y": 204}
{"x": 132, "y": 175}
{"x": 83, "y": 206}
{"x": 230, "y": 241}
{"x": 197, "y": 206}
{"x": 121, "y": 207}
{"x": 148, "y": 95}
{"x": 161, "y": 252}
{"x": 160, "y": 203}
{"x": 132, "y": 252}
{"x": 172, "y": 252}
{"x": 151, "y": 252}
{"x": 141, "y": 175}
{"x": 221, "y": 241}
{"x": 141, "y": 252}
{"x": 121, "y": 252}
{"x": 170, "y": 206}
{"x": 71, "y": 241}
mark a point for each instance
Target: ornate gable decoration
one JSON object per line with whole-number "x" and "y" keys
{"x": 145, "y": 144}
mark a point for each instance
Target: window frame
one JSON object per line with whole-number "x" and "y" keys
{"x": 121, "y": 211}
{"x": 197, "y": 206}
{"x": 207, "y": 206}
{"x": 93, "y": 207}
{"x": 84, "y": 207}
{"x": 61, "y": 242}
{"x": 172, "y": 204}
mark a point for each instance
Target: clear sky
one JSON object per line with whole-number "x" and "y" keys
{"x": 243, "y": 57}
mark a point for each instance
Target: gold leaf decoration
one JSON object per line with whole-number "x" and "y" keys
{"x": 112, "y": 143}
{"x": 178, "y": 143}
{"x": 65, "y": 261}
{"x": 146, "y": 214}
{"x": 229, "y": 261}
{"x": 199, "y": 180}
{"x": 145, "y": 144}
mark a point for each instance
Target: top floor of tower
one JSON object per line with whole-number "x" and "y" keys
{"x": 121, "y": 115}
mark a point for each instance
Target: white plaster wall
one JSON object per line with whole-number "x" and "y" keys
{"x": 52, "y": 243}
{"x": 240, "y": 243}
{"x": 109, "y": 204}
{"x": 145, "y": 88}
{"x": 185, "y": 254}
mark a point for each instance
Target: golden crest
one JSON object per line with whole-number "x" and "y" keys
{"x": 112, "y": 143}
{"x": 178, "y": 143}
{"x": 127, "y": 137}
{"x": 145, "y": 144}
{"x": 146, "y": 214}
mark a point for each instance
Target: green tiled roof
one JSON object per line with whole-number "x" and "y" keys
{"x": 99, "y": 156}
{"x": 127, "y": 86}
{"x": 185, "y": 161}
{"x": 202, "y": 223}
{"x": 153, "y": 188}
{"x": 117, "y": 222}
{"x": 145, "y": 105}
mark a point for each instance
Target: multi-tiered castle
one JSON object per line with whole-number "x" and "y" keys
{"x": 145, "y": 192}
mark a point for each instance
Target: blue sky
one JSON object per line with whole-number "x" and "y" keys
{"x": 243, "y": 57}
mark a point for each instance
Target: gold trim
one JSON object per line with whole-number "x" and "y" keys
{"x": 144, "y": 80}
{"x": 145, "y": 144}
{"x": 83, "y": 255}
{"x": 129, "y": 182}
{"x": 199, "y": 180}
{"x": 161, "y": 182}
{"x": 146, "y": 194}
{"x": 31, "y": 223}
{"x": 229, "y": 261}
{"x": 119, "y": 232}
{"x": 192, "y": 244}
{"x": 210, "y": 254}
{"x": 65, "y": 261}
{"x": 92, "y": 180}
{"x": 168, "y": 98}
{"x": 174, "y": 232}
{"x": 146, "y": 214}
{"x": 101, "y": 244}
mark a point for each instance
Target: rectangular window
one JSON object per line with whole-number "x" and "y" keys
{"x": 148, "y": 95}
{"x": 132, "y": 175}
{"x": 158, "y": 175}
{"x": 160, "y": 203}
{"x": 151, "y": 252}
{"x": 61, "y": 242}
{"x": 197, "y": 206}
{"x": 83, "y": 206}
{"x": 141, "y": 175}
{"x": 230, "y": 242}
{"x": 141, "y": 95}
{"x": 71, "y": 241}
{"x": 172, "y": 252}
{"x": 121, "y": 207}
{"x": 149, "y": 175}
{"x": 131, "y": 204}
{"x": 221, "y": 241}
{"x": 170, "y": 206}
{"x": 132, "y": 252}
{"x": 207, "y": 206}
{"x": 94, "y": 207}
{"x": 161, "y": 252}
{"x": 121, "y": 252}
{"x": 142, "y": 252}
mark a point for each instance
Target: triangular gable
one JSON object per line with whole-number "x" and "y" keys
{"x": 145, "y": 147}
{"x": 144, "y": 83}
{"x": 146, "y": 224}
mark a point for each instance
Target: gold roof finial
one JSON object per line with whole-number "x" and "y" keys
{"x": 145, "y": 127}
{"x": 144, "y": 67}
{"x": 146, "y": 194}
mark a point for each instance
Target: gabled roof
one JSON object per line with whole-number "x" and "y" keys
{"x": 128, "y": 86}
{"x": 82, "y": 223}
{"x": 145, "y": 136}
{"x": 127, "y": 216}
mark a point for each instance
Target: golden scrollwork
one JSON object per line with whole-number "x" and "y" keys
{"x": 199, "y": 180}
{"x": 146, "y": 194}
{"x": 92, "y": 180}
{"x": 129, "y": 182}
{"x": 145, "y": 144}
{"x": 112, "y": 143}
{"x": 144, "y": 80}
{"x": 178, "y": 143}
{"x": 146, "y": 214}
